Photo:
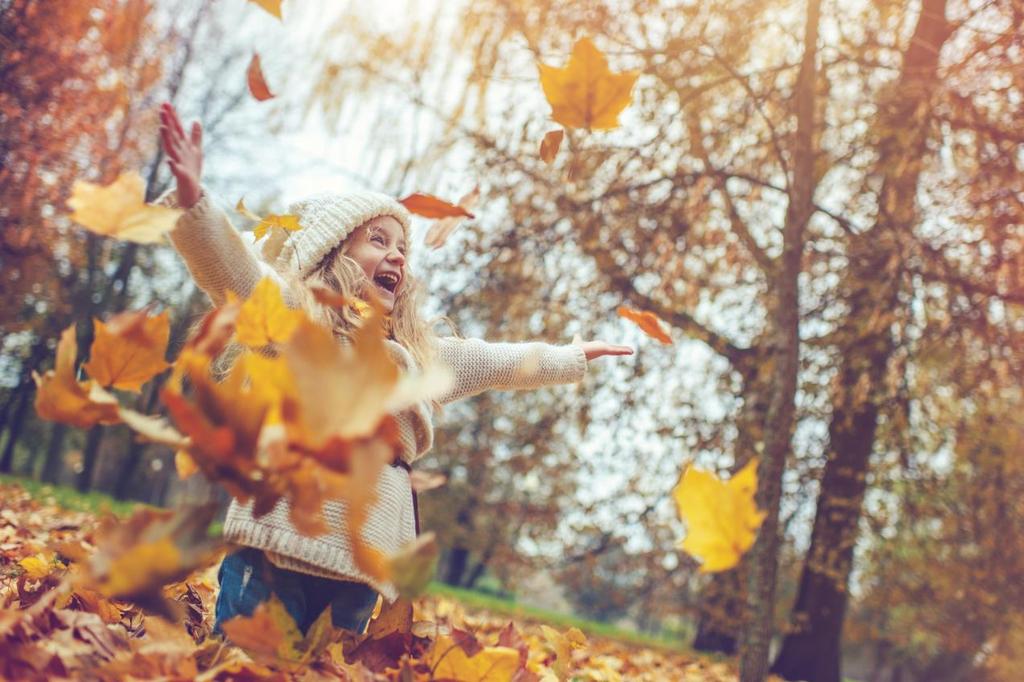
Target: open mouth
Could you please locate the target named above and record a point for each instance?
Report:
(388, 281)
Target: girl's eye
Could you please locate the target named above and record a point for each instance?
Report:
(377, 238)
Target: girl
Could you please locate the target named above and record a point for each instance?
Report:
(348, 242)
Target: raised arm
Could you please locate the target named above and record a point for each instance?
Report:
(218, 258)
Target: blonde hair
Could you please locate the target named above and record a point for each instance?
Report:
(339, 273)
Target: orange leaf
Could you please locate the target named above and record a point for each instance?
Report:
(62, 398)
(585, 93)
(429, 206)
(439, 232)
(128, 359)
(550, 144)
(254, 77)
(648, 323)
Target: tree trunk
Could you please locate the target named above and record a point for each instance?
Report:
(756, 635)
(811, 650)
(90, 457)
(458, 560)
(52, 465)
(723, 600)
(25, 391)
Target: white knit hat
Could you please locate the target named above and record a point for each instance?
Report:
(327, 219)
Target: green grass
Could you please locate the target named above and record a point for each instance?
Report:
(69, 498)
(94, 502)
(512, 609)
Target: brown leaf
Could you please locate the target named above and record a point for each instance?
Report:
(439, 232)
(550, 145)
(422, 481)
(648, 323)
(254, 77)
(429, 206)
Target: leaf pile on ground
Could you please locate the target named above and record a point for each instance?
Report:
(63, 575)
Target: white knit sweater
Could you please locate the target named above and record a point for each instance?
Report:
(221, 261)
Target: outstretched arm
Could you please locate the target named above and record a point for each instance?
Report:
(218, 258)
(479, 366)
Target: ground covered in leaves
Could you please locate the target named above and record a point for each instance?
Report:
(55, 624)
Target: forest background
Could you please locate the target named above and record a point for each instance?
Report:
(822, 201)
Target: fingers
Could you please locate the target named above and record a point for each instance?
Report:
(197, 135)
(169, 144)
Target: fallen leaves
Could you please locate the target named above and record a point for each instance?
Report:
(119, 210)
(722, 518)
(273, 223)
(585, 93)
(254, 79)
(648, 323)
(54, 626)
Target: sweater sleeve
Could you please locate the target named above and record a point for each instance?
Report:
(218, 258)
(479, 365)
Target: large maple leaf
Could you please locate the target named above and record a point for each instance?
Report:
(585, 93)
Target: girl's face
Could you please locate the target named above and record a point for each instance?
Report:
(379, 247)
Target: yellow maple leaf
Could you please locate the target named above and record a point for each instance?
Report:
(585, 93)
(119, 210)
(273, 7)
(286, 222)
(60, 397)
(491, 664)
(129, 350)
(721, 518)
(564, 645)
(264, 318)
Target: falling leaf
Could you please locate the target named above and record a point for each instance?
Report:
(586, 94)
(271, 6)
(429, 206)
(139, 555)
(550, 144)
(128, 359)
(449, 661)
(119, 210)
(153, 429)
(264, 319)
(722, 519)
(648, 323)
(439, 232)
(254, 77)
(413, 567)
(184, 464)
(422, 481)
(274, 224)
(60, 397)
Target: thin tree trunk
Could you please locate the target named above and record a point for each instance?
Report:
(90, 457)
(52, 465)
(756, 635)
(25, 391)
(811, 650)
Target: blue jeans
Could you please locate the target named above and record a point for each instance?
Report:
(247, 578)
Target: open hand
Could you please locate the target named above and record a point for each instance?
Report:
(184, 154)
(595, 349)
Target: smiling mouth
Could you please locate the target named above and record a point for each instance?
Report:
(386, 281)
